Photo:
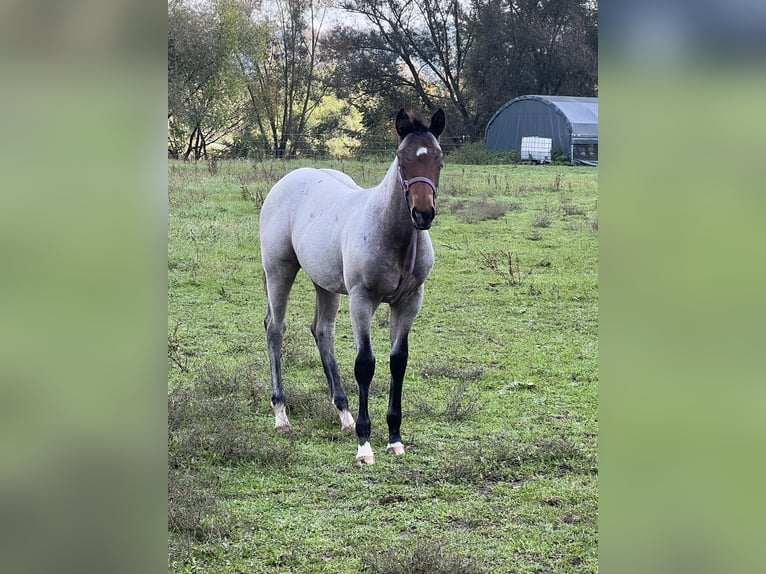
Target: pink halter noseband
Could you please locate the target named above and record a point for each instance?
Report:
(406, 183)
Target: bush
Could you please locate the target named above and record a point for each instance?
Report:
(476, 153)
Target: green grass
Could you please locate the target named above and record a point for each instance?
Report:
(499, 403)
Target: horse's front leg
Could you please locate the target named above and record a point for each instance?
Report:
(361, 310)
(403, 314)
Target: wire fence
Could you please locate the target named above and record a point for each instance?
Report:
(309, 146)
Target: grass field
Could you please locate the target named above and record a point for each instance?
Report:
(499, 403)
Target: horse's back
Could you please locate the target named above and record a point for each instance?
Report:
(303, 217)
(304, 187)
(342, 178)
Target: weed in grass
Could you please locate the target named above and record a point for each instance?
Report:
(543, 220)
(460, 403)
(556, 185)
(503, 264)
(569, 208)
(311, 407)
(210, 419)
(425, 556)
(533, 235)
(455, 188)
(192, 504)
(594, 223)
(175, 193)
(213, 165)
(504, 458)
(447, 369)
(484, 209)
(175, 354)
(256, 195)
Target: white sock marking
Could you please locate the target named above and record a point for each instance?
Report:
(280, 416)
(395, 448)
(346, 420)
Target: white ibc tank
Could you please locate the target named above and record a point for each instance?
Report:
(536, 149)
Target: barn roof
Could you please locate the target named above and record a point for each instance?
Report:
(581, 113)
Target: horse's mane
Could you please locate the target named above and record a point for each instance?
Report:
(418, 123)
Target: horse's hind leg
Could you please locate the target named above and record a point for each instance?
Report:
(279, 281)
(323, 329)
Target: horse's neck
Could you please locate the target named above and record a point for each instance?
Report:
(393, 214)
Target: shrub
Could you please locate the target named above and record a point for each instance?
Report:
(476, 153)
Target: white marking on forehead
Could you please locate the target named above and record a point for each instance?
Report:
(421, 150)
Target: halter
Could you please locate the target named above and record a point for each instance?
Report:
(407, 183)
(413, 252)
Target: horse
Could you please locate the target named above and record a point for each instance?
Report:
(370, 244)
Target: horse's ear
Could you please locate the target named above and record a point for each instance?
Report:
(403, 123)
(437, 123)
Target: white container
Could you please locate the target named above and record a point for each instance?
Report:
(536, 149)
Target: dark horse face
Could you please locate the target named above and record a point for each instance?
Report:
(420, 162)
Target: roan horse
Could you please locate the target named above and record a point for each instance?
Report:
(371, 244)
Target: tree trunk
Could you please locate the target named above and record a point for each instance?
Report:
(190, 147)
(197, 145)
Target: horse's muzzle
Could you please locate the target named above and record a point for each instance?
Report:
(422, 220)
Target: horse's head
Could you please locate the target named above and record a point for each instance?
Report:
(420, 161)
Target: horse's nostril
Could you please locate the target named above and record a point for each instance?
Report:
(422, 220)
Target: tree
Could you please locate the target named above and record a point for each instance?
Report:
(547, 47)
(411, 47)
(204, 101)
(468, 60)
(278, 58)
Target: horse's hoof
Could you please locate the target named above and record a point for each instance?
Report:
(365, 455)
(283, 428)
(396, 448)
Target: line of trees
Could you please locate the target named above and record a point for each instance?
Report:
(291, 75)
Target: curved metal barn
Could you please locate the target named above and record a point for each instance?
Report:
(570, 122)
